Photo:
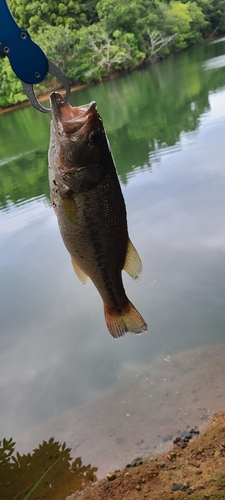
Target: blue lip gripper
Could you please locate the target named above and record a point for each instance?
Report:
(27, 59)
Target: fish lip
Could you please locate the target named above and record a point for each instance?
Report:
(67, 117)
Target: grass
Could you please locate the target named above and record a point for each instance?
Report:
(38, 482)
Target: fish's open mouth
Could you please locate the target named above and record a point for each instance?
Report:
(71, 118)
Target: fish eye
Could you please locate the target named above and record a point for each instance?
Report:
(94, 137)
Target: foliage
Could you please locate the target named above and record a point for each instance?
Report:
(90, 39)
(214, 14)
(198, 23)
(24, 178)
(158, 42)
(119, 15)
(36, 14)
(11, 90)
(91, 11)
(184, 20)
(21, 475)
(99, 54)
(58, 43)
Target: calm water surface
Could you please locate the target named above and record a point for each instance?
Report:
(166, 128)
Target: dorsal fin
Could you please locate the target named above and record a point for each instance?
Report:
(132, 265)
(80, 274)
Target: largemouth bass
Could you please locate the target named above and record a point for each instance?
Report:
(90, 208)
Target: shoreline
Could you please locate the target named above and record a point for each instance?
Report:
(116, 438)
(114, 75)
(195, 467)
(41, 98)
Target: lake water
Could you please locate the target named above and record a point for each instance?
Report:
(62, 375)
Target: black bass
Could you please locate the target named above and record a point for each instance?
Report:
(90, 208)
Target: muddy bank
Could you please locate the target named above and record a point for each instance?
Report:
(196, 471)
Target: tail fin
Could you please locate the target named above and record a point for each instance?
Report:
(129, 320)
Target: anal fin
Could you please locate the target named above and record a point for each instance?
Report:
(132, 265)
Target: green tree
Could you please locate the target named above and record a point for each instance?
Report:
(118, 15)
(185, 20)
(91, 11)
(58, 43)
(177, 20)
(214, 14)
(11, 90)
(36, 14)
(99, 54)
(198, 24)
(158, 43)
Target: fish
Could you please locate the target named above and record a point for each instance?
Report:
(90, 208)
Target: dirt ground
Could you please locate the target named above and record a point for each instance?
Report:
(194, 468)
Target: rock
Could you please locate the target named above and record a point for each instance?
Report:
(187, 437)
(177, 440)
(111, 476)
(179, 486)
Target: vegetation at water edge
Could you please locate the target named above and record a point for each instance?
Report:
(89, 40)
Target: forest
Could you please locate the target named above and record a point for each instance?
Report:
(91, 40)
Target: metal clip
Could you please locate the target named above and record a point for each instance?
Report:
(29, 91)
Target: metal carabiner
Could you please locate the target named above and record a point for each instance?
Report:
(29, 91)
(27, 59)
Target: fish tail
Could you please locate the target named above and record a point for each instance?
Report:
(128, 320)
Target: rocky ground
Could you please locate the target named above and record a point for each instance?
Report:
(194, 468)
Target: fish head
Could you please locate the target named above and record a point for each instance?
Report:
(78, 141)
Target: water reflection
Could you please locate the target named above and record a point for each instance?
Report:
(23, 177)
(63, 475)
(142, 113)
(215, 63)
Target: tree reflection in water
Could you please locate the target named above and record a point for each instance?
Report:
(18, 473)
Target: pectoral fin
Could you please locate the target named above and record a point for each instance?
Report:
(69, 208)
(80, 274)
(132, 265)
